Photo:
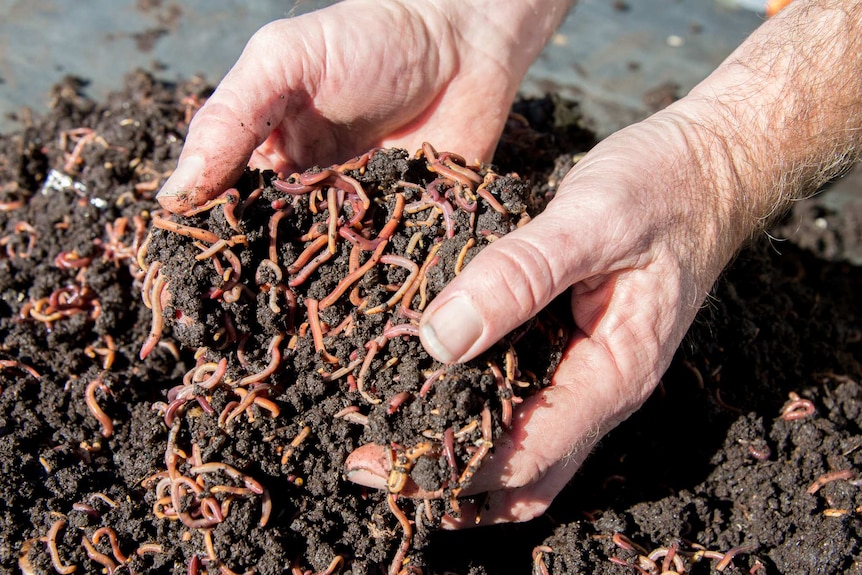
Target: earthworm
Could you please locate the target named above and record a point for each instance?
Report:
(435, 165)
(297, 441)
(336, 562)
(90, 399)
(254, 397)
(208, 545)
(351, 414)
(24, 562)
(246, 399)
(71, 260)
(234, 473)
(101, 496)
(390, 226)
(13, 364)
(459, 263)
(254, 195)
(468, 206)
(183, 230)
(273, 232)
(511, 363)
(149, 548)
(323, 256)
(231, 490)
(207, 206)
(353, 277)
(94, 555)
(397, 401)
(194, 565)
(312, 307)
(217, 371)
(539, 567)
(345, 326)
(342, 371)
(423, 286)
(504, 390)
(475, 461)
(828, 478)
(208, 252)
(359, 162)
(396, 297)
(177, 486)
(229, 210)
(55, 553)
(429, 381)
(430, 260)
(357, 240)
(449, 453)
(275, 359)
(670, 555)
(342, 179)
(459, 164)
(761, 454)
(158, 322)
(486, 194)
(141, 254)
(414, 241)
(270, 265)
(265, 509)
(332, 208)
(372, 347)
(112, 537)
(728, 557)
(466, 430)
(86, 508)
(797, 408)
(407, 538)
(294, 188)
(402, 329)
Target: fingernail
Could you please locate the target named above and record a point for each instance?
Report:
(452, 330)
(366, 478)
(184, 178)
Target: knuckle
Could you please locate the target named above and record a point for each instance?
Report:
(523, 275)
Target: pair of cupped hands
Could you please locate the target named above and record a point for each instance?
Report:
(631, 233)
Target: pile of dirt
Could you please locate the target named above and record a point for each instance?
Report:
(223, 450)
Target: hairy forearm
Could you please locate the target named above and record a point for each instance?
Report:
(786, 110)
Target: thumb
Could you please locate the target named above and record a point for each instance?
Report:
(224, 133)
(506, 284)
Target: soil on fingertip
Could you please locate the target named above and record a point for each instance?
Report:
(224, 448)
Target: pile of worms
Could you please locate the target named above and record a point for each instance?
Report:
(318, 281)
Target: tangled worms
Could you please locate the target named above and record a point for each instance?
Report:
(335, 267)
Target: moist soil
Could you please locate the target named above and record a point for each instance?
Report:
(745, 459)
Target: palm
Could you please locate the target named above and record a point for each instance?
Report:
(308, 91)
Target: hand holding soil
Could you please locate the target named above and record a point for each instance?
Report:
(327, 86)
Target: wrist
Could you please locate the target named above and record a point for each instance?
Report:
(784, 111)
(511, 34)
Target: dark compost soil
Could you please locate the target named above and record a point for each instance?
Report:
(746, 457)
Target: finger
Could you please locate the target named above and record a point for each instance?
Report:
(516, 505)
(369, 466)
(249, 102)
(509, 281)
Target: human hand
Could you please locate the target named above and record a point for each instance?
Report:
(637, 239)
(639, 231)
(326, 86)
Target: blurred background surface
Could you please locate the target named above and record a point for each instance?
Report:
(620, 58)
